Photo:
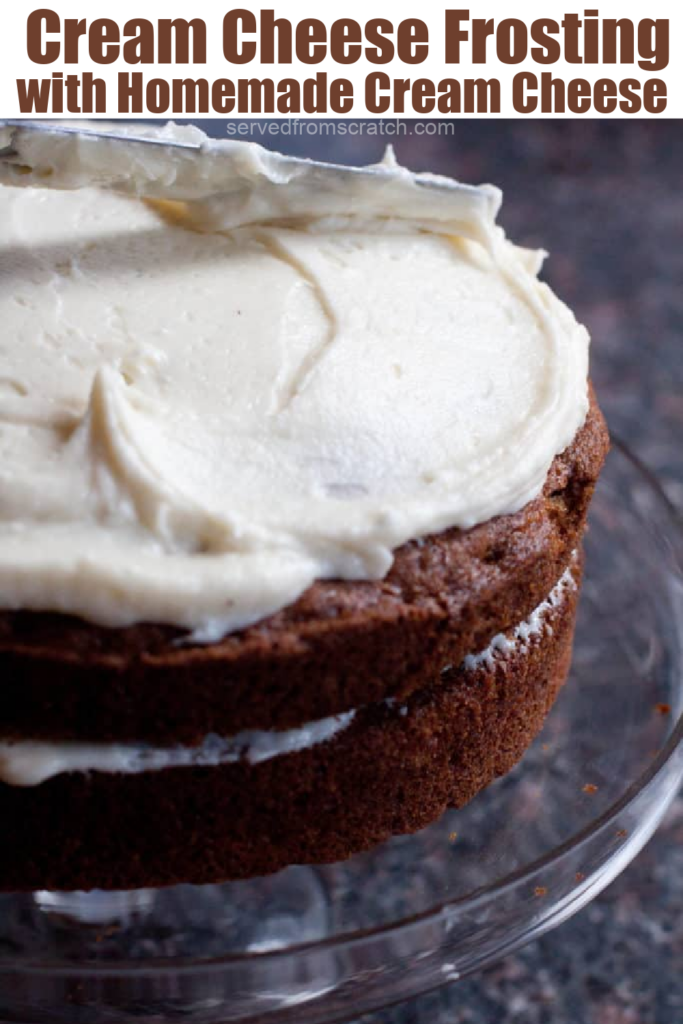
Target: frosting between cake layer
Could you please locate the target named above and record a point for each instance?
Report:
(206, 406)
(504, 643)
(28, 763)
(31, 762)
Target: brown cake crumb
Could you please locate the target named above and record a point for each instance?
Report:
(342, 645)
(386, 774)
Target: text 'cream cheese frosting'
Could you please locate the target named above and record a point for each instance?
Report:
(206, 405)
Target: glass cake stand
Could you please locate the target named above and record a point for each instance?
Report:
(324, 944)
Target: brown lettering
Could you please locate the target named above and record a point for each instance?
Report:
(256, 96)
(180, 29)
(345, 40)
(190, 96)
(412, 41)
(579, 96)
(235, 24)
(552, 94)
(511, 41)
(605, 96)
(571, 26)
(654, 49)
(654, 96)
(57, 92)
(481, 30)
(289, 98)
(455, 34)
(157, 95)
(423, 97)
(103, 41)
(401, 86)
(140, 49)
(311, 37)
(315, 94)
(283, 27)
(375, 82)
(41, 52)
(383, 50)
(626, 47)
(548, 50)
(341, 96)
(629, 89)
(223, 96)
(73, 30)
(449, 98)
(522, 103)
(33, 95)
(482, 96)
(591, 40)
(130, 92)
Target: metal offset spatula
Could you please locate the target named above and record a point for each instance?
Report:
(246, 179)
(9, 151)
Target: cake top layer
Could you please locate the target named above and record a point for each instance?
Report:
(206, 405)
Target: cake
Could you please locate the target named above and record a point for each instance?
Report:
(294, 472)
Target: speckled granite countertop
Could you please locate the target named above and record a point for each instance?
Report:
(607, 199)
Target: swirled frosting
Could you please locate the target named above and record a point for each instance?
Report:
(208, 404)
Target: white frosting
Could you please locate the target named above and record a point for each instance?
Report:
(232, 183)
(28, 763)
(196, 425)
(504, 643)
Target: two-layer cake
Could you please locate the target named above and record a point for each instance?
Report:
(294, 472)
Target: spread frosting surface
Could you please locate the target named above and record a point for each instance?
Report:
(278, 377)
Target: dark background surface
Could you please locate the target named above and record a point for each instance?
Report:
(606, 198)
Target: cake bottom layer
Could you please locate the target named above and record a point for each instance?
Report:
(393, 770)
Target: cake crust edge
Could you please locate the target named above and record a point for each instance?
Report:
(393, 771)
(342, 645)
